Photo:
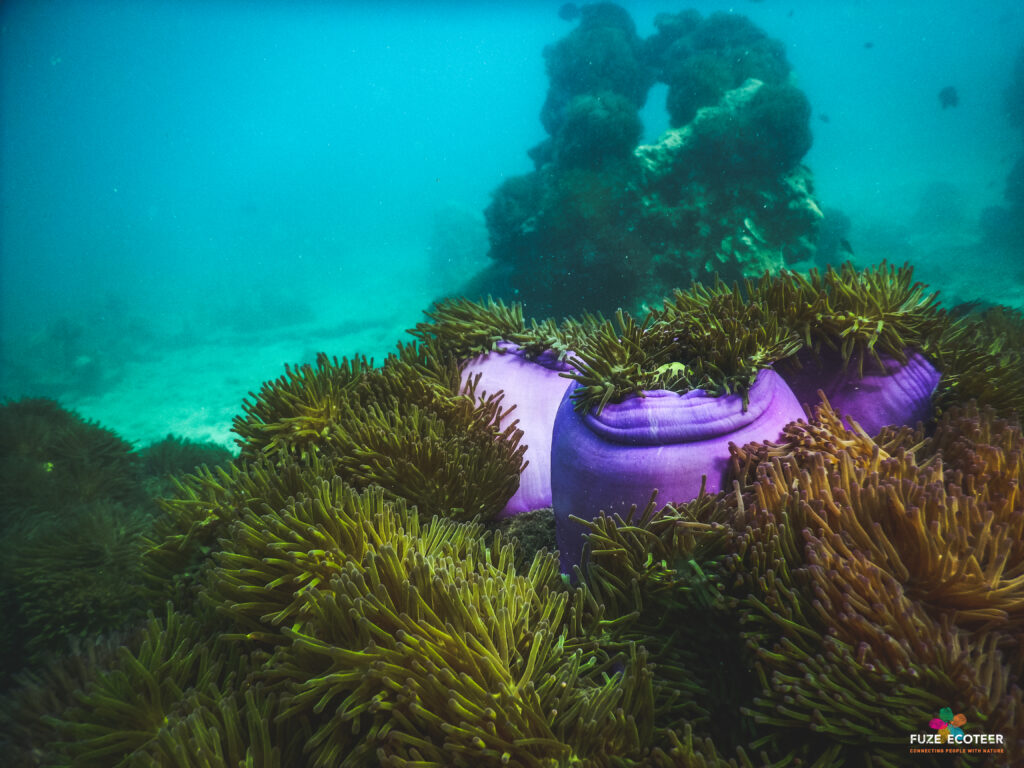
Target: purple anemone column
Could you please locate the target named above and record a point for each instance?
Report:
(897, 394)
(535, 387)
(664, 440)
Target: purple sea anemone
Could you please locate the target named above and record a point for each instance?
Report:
(535, 388)
(896, 393)
(664, 440)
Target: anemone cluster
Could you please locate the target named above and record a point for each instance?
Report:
(602, 222)
(344, 593)
(74, 500)
(882, 583)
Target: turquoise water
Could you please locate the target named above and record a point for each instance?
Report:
(176, 172)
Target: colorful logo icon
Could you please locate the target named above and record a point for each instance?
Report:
(948, 724)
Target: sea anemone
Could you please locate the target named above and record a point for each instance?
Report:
(533, 388)
(404, 641)
(879, 395)
(869, 339)
(523, 363)
(982, 359)
(878, 576)
(812, 596)
(405, 426)
(656, 405)
(676, 444)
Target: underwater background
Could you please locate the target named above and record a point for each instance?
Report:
(216, 188)
(265, 265)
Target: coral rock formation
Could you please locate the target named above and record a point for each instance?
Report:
(601, 223)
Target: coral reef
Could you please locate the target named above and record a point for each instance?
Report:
(754, 131)
(341, 592)
(700, 59)
(601, 61)
(602, 223)
(598, 128)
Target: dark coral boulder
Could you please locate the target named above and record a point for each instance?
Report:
(766, 134)
(603, 223)
(701, 59)
(603, 53)
(597, 127)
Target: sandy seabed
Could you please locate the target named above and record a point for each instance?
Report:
(195, 391)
